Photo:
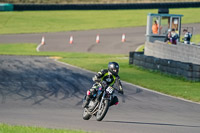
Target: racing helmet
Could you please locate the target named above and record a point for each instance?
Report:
(113, 67)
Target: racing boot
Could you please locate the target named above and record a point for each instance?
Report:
(90, 94)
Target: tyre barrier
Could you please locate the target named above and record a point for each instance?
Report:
(188, 71)
(23, 7)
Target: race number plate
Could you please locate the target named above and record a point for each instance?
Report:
(109, 89)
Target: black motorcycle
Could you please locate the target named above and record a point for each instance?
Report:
(99, 105)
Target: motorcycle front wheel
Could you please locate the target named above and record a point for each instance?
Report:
(86, 115)
(103, 110)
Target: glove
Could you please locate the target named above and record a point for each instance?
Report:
(121, 92)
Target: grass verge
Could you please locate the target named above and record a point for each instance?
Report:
(54, 21)
(153, 80)
(196, 39)
(140, 48)
(4, 128)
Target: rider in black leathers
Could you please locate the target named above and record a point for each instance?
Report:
(107, 77)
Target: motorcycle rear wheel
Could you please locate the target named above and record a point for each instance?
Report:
(102, 112)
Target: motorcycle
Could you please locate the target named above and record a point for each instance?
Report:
(99, 105)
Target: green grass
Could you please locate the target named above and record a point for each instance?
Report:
(140, 48)
(153, 80)
(54, 21)
(196, 39)
(4, 128)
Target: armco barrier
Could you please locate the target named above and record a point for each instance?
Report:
(187, 70)
(22, 7)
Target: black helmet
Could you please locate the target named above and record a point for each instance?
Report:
(113, 67)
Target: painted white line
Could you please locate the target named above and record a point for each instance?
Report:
(146, 89)
(38, 47)
(71, 65)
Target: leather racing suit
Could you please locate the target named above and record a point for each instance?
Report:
(106, 79)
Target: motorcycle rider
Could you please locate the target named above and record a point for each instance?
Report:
(108, 77)
(187, 36)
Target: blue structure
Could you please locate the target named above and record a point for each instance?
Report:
(6, 7)
(164, 22)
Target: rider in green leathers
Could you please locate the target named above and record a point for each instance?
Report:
(107, 77)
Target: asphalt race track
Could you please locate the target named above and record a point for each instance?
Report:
(38, 91)
(85, 41)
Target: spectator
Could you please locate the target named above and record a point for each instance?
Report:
(174, 37)
(168, 36)
(155, 27)
(187, 36)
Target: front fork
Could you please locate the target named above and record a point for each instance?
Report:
(103, 98)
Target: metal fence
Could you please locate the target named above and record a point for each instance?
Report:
(23, 7)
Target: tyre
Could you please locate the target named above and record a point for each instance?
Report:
(103, 110)
(86, 115)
